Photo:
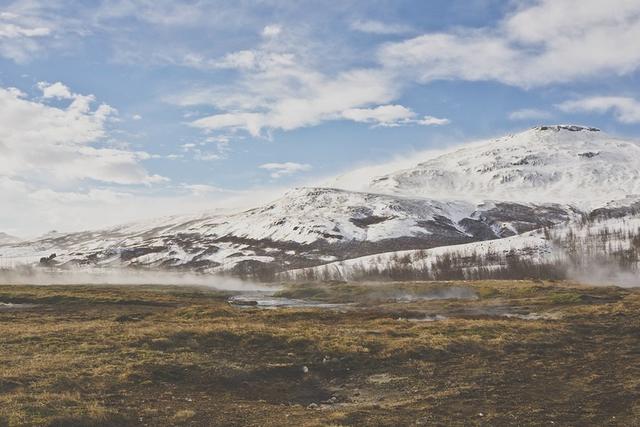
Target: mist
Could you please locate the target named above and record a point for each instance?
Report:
(604, 274)
(100, 276)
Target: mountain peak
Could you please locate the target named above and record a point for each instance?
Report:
(556, 163)
(7, 238)
(570, 128)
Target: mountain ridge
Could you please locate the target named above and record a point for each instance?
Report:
(313, 226)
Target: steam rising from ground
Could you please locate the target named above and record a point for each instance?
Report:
(601, 274)
(449, 292)
(40, 276)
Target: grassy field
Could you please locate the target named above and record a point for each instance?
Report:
(500, 353)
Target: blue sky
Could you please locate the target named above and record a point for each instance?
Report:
(119, 110)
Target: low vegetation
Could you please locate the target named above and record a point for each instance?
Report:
(591, 247)
(487, 353)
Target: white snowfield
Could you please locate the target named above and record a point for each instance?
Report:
(560, 163)
(569, 165)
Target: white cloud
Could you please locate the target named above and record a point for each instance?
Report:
(252, 122)
(283, 85)
(529, 114)
(240, 60)
(55, 90)
(288, 168)
(271, 30)
(551, 41)
(433, 121)
(35, 210)
(383, 115)
(625, 109)
(136, 117)
(378, 27)
(20, 35)
(205, 155)
(9, 30)
(199, 190)
(288, 97)
(391, 116)
(57, 145)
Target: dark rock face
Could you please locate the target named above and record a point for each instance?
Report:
(477, 229)
(589, 154)
(570, 128)
(522, 218)
(131, 253)
(632, 208)
(366, 221)
(48, 261)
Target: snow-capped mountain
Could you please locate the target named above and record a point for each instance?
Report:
(306, 227)
(606, 245)
(485, 195)
(567, 163)
(7, 238)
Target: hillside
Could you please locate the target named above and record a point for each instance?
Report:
(306, 227)
(7, 238)
(548, 177)
(560, 163)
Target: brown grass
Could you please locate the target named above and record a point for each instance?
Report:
(98, 356)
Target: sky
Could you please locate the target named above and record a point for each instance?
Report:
(113, 111)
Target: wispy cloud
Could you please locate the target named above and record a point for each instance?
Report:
(288, 168)
(550, 41)
(286, 97)
(20, 35)
(271, 30)
(433, 121)
(625, 109)
(379, 27)
(391, 116)
(529, 114)
(51, 143)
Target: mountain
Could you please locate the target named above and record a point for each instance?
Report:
(306, 227)
(7, 238)
(601, 249)
(560, 163)
(482, 196)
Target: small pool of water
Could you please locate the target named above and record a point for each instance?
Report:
(8, 306)
(434, 318)
(270, 302)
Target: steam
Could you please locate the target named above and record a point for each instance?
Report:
(103, 276)
(449, 292)
(604, 274)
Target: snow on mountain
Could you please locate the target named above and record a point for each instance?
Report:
(7, 238)
(489, 192)
(560, 163)
(360, 178)
(602, 243)
(308, 226)
(531, 246)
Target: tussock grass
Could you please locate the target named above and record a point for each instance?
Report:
(98, 356)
